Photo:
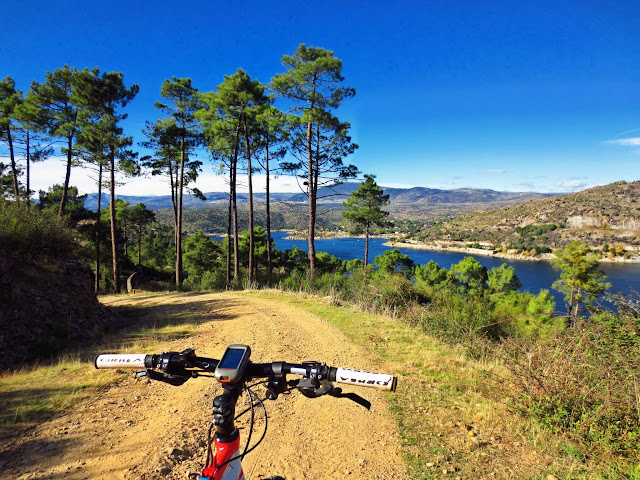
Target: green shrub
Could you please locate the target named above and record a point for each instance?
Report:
(458, 319)
(583, 382)
(296, 281)
(328, 283)
(33, 233)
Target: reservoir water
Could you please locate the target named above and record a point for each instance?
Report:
(534, 276)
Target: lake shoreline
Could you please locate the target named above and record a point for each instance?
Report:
(543, 257)
(441, 246)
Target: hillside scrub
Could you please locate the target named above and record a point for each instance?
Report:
(579, 382)
(34, 233)
(583, 382)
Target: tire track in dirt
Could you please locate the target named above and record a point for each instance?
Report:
(144, 430)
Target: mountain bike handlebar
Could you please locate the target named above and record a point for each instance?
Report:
(180, 366)
(234, 373)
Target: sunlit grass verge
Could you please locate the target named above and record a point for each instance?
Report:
(33, 393)
(450, 414)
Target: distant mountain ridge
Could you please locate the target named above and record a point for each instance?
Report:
(404, 201)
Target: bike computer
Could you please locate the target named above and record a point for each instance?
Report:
(231, 367)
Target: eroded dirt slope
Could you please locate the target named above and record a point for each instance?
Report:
(148, 430)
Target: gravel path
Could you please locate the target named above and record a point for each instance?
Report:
(143, 430)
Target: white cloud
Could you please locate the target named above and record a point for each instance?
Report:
(495, 171)
(572, 185)
(625, 142)
(52, 171)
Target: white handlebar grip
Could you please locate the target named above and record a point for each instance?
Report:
(123, 360)
(380, 381)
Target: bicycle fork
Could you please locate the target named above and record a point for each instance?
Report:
(224, 463)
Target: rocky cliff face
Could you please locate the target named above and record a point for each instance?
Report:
(580, 221)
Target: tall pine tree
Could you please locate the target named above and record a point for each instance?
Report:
(313, 83)
(102, 99)
(181, 103)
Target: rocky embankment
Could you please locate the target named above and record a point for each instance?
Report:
(45, 307)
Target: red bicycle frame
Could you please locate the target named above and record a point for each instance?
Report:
(226, 463)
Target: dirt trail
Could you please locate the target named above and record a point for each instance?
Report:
(148, 430)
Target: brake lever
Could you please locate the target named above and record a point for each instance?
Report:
(175, 380)
(310, 389)
(354, 397)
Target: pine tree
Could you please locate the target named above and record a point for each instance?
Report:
(10, 98)
(233, 109)
(181, 104)
(364, 209)
(101, 99)
(319, 140)
(56, 97)
(580, 280)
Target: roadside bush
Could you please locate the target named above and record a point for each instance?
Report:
(583, 382)
(457, 319)
(328, 283)
(213, 280)
(392, 294)
(33, 233)
(296, 281)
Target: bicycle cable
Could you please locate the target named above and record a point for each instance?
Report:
(247, 450)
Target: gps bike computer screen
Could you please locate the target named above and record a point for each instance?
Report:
(232, 359)
(233, 363)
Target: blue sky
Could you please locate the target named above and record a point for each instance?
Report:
(508, 95)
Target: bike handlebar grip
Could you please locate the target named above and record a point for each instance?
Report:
(380, 381)
(123, 360)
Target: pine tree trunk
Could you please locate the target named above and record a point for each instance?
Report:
(229, 221)
(112, 213)
(179, 215)
(28, 159)
(14, 168)
(98, 224)
(125, 235)
(366, 246)
(251, 233)
(65, 187)
(312, 201)
(571, 300)
(140, 246)
(174, 202)
(269, 262)
(236, 252)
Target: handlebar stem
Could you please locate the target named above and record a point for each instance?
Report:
(224, 411)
